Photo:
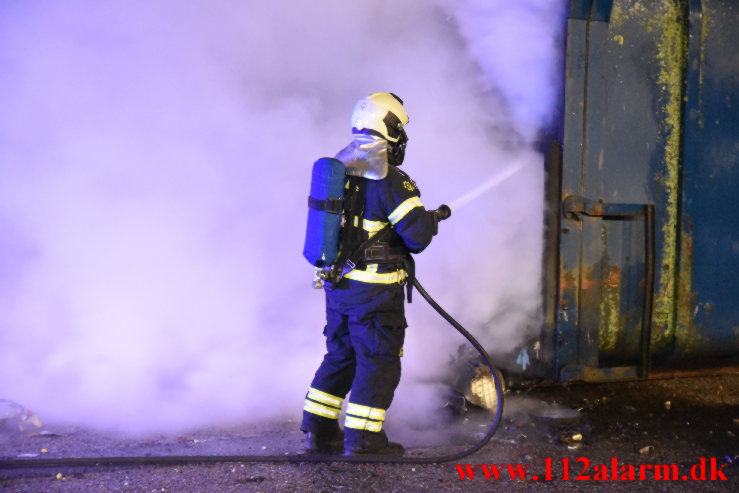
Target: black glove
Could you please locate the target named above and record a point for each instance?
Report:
(443, 212)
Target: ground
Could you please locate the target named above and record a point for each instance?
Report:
(691, 422)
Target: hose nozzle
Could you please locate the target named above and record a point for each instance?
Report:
(443, 212)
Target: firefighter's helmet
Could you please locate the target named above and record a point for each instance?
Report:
(383, 114)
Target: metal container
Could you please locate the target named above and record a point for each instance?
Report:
(642, 263)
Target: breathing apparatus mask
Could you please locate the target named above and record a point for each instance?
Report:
(396, 150)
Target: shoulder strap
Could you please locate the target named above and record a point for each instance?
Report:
(351, 234)
(354, 200)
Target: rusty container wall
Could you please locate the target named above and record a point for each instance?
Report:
(707, 313)
(649, 212)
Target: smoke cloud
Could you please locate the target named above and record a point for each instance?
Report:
(154, 163)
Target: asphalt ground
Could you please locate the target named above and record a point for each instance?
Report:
(579, 435)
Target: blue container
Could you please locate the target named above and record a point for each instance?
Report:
(642, 271)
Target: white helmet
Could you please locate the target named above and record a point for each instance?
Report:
(382, 113)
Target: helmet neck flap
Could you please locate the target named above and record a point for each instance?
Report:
(366, 156)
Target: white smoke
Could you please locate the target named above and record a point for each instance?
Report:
(518, 46)
(154, 163)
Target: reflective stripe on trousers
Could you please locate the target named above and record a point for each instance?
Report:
(322, 404)
(366, 418)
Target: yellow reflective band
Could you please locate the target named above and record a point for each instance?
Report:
(372, 276)
(321, 410)
(362, 424)
(320, 396)
(372, 226)
(365, 411)
(403, 209)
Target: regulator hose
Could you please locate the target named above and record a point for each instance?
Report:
(197, 459)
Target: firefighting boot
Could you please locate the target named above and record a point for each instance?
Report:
(324, 441)
(360, 442)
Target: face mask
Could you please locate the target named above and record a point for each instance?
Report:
(396, 151)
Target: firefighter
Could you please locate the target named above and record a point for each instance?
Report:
(365, 320)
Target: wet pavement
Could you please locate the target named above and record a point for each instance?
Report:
(581, 435)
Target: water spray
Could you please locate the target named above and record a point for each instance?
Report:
(492, 182)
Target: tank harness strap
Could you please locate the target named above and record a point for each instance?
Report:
(334, 206)
(345, 264)
(384, 252)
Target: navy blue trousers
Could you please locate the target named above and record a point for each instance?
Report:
(365, 329)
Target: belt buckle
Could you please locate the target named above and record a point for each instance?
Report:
(402, 277)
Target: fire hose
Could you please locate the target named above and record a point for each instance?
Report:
(299, 458)
(197, 459)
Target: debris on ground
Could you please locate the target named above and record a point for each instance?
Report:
(646, 450)
(648, 435)
(472, 380)
(14, 416)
